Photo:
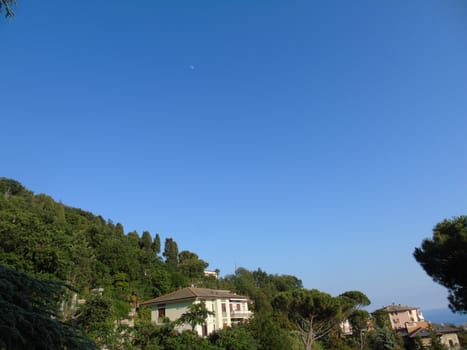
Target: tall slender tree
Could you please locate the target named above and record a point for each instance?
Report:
(156, 244)
(171, 254)
(146, 240)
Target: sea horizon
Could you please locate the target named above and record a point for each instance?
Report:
(444, 315)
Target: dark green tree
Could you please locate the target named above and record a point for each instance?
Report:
(268, 334)
(146, 240)
(313, 313)
(10, 187)
(187, 341)
(191, 265)
(97, 316)
(171, 254)
(147, 335)
(30, 318)
(196, 315)
(94, 315)
(380, 319)
(385, 339)
(444, 258)
(359, 321)
(237, 337)
(7, 4)
(156, 244)
(357, 298)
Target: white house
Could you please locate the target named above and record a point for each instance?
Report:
(228, 308)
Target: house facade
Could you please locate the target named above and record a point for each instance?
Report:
(409, 322)
(401, 315)
(228, 308)
(425, 330)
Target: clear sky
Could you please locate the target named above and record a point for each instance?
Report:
(322, 139)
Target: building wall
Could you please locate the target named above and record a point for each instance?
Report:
(450, 340)
(400, 318)
(173, 311)
(223, 310)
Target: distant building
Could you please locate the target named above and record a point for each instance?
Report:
(425, 331)
(409, 322)
(346, 327)
(229, 308)
(400, 315)
(214, 274)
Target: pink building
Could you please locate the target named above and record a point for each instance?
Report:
(401, 315)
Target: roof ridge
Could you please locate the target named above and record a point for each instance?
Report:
(193, 293)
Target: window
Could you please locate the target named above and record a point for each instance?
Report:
(162, 312)
(239, 307)
(223, 307)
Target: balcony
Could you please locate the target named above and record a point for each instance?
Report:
(240, 314)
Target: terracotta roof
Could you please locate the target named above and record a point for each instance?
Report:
(443, 329)
(396, 308)
(194, 293)
(425, 330)
(420, 332)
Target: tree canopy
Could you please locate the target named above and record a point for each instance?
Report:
(112, 270)
(7, 5)
(30, 318)
(444, 258)
(316, 314)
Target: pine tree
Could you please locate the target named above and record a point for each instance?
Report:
(30, 318)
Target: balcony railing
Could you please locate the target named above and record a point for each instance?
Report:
(240, 313)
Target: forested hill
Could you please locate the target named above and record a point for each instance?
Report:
(51, 240)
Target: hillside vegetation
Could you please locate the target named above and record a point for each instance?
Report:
(102, 272)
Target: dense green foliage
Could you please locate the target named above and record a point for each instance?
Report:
(237, 337)
(30, 318)
(112, 271)
(385, 339)
(315, 314)
(47, 239)
(444, 258)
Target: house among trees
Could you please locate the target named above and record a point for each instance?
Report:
(409, 323)
(400, 315)
(426, 334)
(224, 308)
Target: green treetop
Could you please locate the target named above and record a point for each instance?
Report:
(444, 258)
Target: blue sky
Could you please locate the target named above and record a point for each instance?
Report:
(322, 139)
